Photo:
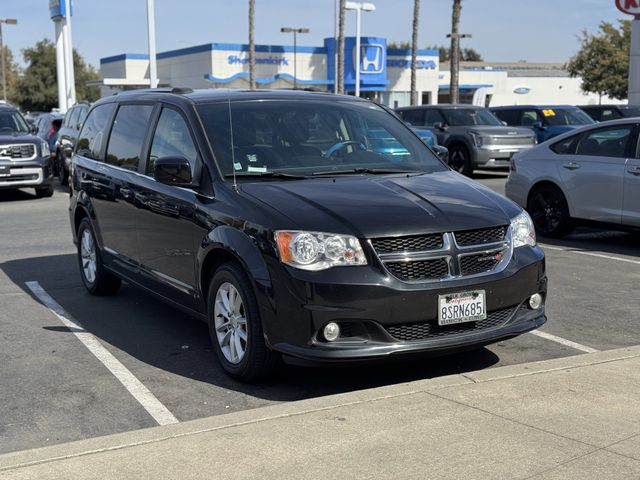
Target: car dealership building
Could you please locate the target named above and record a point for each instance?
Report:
(385, 73)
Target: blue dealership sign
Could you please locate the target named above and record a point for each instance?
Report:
(373, 62)
(60, 8)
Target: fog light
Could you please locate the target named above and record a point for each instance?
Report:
(331, 331)
(535, 301)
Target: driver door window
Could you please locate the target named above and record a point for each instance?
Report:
(172, 138)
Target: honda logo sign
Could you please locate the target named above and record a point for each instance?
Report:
(371, 58)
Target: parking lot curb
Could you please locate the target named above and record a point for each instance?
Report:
(16, 460)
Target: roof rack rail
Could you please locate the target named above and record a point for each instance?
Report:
(176, 90)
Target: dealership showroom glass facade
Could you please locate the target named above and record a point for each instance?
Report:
(385, 73)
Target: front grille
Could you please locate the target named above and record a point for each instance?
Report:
(430, 329)
(436, 256)
(16, 152)
(485, 235)
(510, 140)
(420, 270)
(479, 263)
(412, 243)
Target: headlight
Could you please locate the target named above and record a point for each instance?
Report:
(318, 251)
(45, 149)
(478, 139)
(522, 231)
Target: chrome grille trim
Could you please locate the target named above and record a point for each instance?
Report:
(454, 254)
(17, 151)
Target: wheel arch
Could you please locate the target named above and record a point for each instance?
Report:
(551, 183)
(227, 244)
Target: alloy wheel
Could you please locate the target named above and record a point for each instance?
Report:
(230, 323)
(547, 212)
(88, 254)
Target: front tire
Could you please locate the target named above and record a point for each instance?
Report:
(460, 160)
(235, 326)
(549, 211)
(95, 278)
(62, 172)
(43, 192)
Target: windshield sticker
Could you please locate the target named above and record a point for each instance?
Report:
(256, 169)
(548, 112)
(237, 166)
(252, 157)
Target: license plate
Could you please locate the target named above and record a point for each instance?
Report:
(5, 170)
(461, 307)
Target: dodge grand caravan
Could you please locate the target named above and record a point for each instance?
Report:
(275, 217)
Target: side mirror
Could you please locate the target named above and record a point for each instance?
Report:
(441, 152)
(174, 171)
(538, 125)
(441, 126)
(34, 129)
(408, 124)
(504, 123)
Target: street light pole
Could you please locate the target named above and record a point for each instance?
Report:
(295, 32)
(151, 34)
(358, 7)
(8, 21)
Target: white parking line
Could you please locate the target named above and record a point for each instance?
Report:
(591, 254)
(149, 402)
(563, 341)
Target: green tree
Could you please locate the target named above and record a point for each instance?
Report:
(603, 60)
(466, 54)
(12, 71)
(37, 89)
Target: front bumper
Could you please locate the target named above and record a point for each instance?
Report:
(497, 156)
(32, 173)
(381, 316)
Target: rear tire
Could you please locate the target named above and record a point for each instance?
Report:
(549, 211)
(42, 192)
(235, 326)
(95, 278)
(460, 159)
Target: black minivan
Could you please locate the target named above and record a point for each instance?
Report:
(280, 219)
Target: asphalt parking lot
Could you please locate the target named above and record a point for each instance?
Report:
(53, 389)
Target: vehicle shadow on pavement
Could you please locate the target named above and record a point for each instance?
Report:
(29, 194)
(608, 241)
(167, 339)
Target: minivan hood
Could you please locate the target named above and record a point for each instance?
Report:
(370, 206)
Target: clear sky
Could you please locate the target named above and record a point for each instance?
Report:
(503, 30)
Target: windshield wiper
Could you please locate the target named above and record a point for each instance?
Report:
(266, 175)
(363, 170)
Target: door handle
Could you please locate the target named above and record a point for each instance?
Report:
(634, 170)
(571, 165)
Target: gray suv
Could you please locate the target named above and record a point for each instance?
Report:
(474, 136)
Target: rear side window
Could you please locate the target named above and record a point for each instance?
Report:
(566, 146)
(72, 118)
(90, 138)
(609, 114)
(606, 142)
(510, 117)
(127, 136)
(414, 117)
(82, 114)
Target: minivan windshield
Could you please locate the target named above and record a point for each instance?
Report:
(305, 138)
(12, 123)
(463, 117)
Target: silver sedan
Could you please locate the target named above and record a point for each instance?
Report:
(590, 175)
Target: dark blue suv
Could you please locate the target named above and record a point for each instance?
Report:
(546, 121)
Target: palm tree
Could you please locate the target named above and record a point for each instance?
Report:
(414, 51)
(455, 52)
(252, 47)
(340, 65)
